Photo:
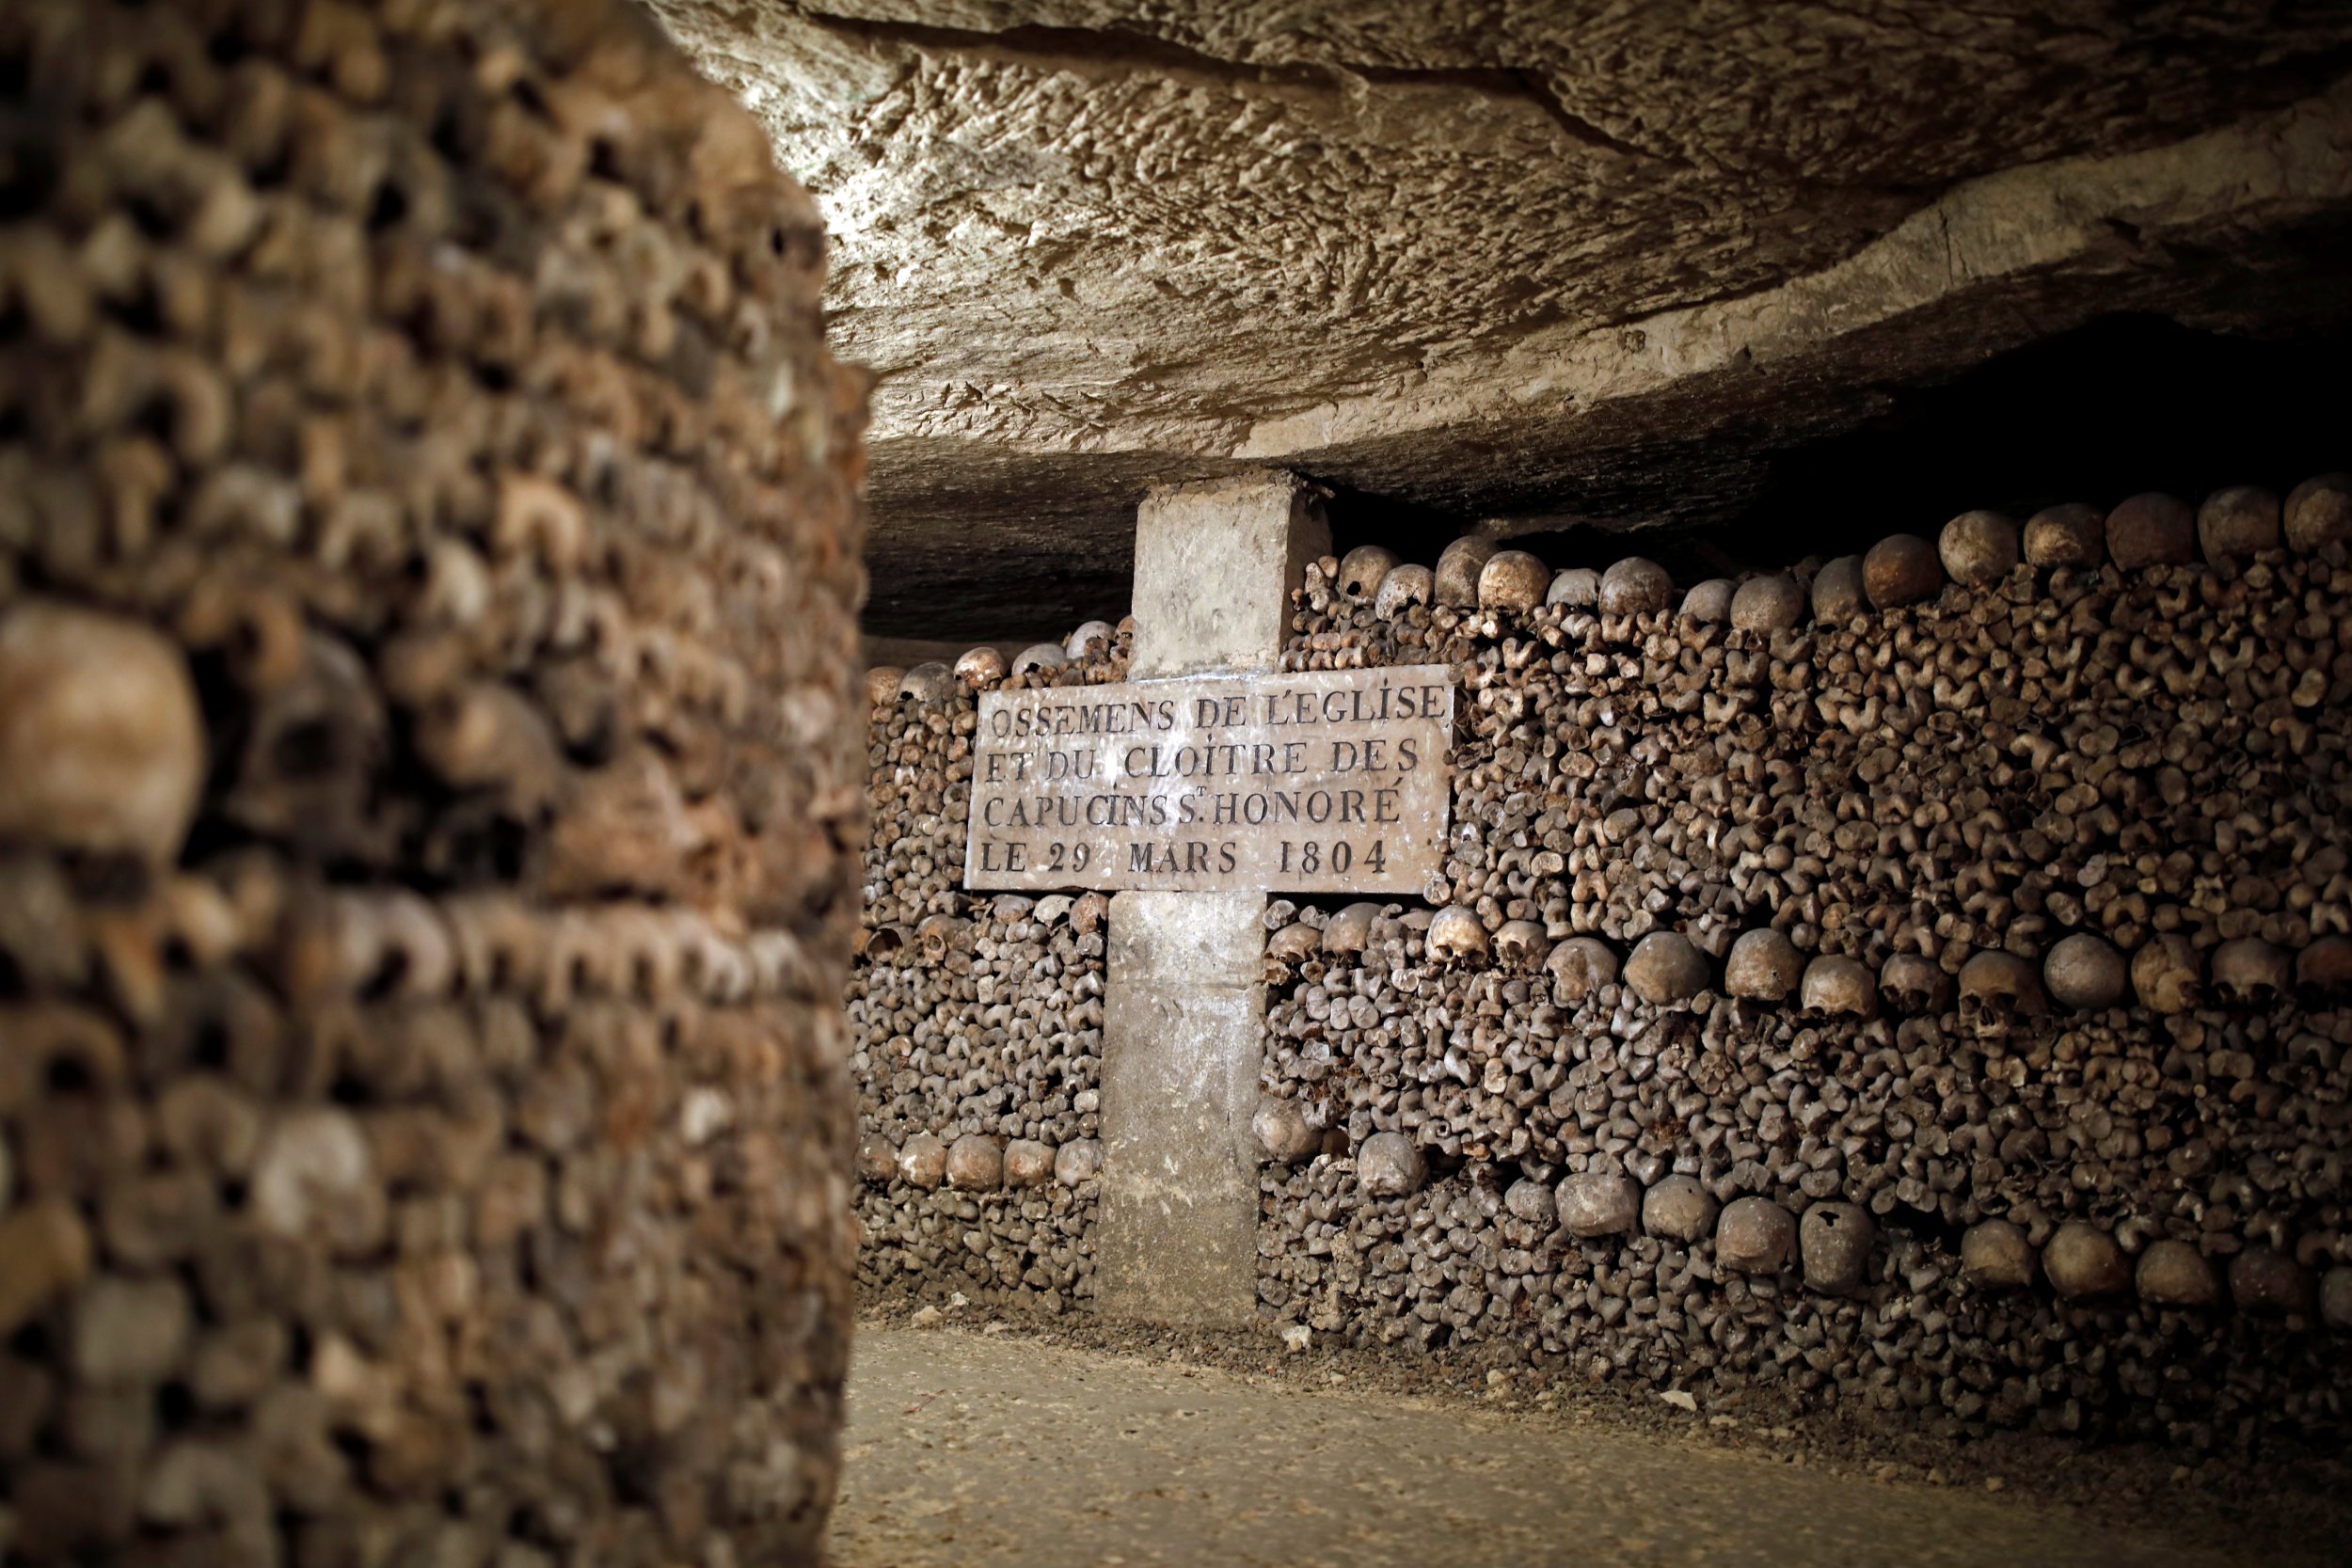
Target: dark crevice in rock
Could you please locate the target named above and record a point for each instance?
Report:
(1067, 48)
(1579, 129)
(1124, 50)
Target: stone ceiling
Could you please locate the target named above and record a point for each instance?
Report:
(1595, 260)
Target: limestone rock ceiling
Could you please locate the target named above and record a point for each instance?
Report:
(1592, 259)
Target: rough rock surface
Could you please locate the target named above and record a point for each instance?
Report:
(1506, 261)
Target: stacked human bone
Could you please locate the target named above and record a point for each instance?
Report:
(977, 1019)
(1920, 981)
(428, 548)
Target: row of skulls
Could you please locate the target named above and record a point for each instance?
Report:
(2081, 972)
(984, 666)
(1831, 1242)
(1972, 549)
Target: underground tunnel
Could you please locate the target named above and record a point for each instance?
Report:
(1057, 781)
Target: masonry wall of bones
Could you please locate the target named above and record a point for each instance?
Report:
(1920, 981)
(428, 550)
(977, 1022)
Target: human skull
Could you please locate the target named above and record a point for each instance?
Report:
(1293, 942)
(2250, 973)
(1078, 1160)
(308, 770)
(1350, 930)
(931, 682)
(1837, 591)
(2319, 511)
(1996, 988)
(923, 1160)
(975, 1164)
(1901, 569)
(2174, 1273)
(1532, 1201)
(1028, 1163)
(1755, 1235)
(1363, 569)
(2165, 974)
(2084, 973)
(2324, 968)
(1578, 588)
(2083, 1261)
(2262, 1280)
(1090, 637)
(1635, 586)
(1709, 603)
(1598, 1203)
(1833, 1241)
(1774, 602)
(1390, 1165)
(1457, 933)
(980, 668)
(1978, 547)
(1402, 587)
(1513, 580)
(1914, 985)
(1580, 966)
(1995, 1252)
(1666, 968)
(1522, 944)
(2239, 521)
(1764, 966)
(1679, 1207)
(2068, 535)
(939, 935)
(1838, 986)
(1283, 1130)
(2150, 530)
(1039, 655)
(1458, 569)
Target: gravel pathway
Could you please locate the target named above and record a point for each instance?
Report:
(977, 1449)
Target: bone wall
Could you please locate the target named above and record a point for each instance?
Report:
(1915, 984)
(426, 785)
(977, 1019)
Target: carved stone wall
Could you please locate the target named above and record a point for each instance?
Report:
(428, 546)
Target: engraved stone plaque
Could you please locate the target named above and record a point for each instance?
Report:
(1328, 782)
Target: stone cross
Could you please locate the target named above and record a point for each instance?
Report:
(1184, 1010)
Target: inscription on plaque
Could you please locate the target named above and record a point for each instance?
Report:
(1331, 782)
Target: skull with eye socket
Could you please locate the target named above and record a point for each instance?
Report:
(2165, 975)
(2250, 973)
(1996, 990)
(1579, 967)
(1837, 986)
(308, 771)
(1402, 588)
(1363, 570)
(940, 935)
(1917, 986)
(1457, 934)
(1522, 944)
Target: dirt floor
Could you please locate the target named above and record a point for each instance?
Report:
(976, 1442)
